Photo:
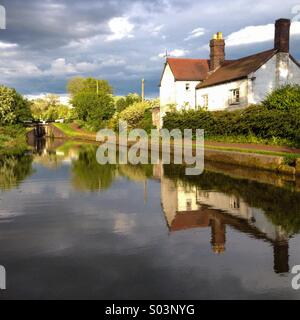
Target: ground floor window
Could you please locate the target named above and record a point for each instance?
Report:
(234, 96)
(205, 100)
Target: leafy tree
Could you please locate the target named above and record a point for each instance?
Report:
(94, 108)
(13, 107)
(124, 102)
(137, 116)
(88, 85)
(50, 108)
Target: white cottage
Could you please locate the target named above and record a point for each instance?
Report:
(220, 84)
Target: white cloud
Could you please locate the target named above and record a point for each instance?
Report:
(256, 34)
(85, 67)
(156, 30)
(5, 45)
(16, 68)
(61, 67)
(120, 28)
(112, 62)
(196, 33)
(178, 53)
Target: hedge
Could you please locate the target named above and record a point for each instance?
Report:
(256, 120)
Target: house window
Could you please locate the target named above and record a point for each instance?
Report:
(189, 204)
(205, 100)
(187, 87)
(235, 203)
(235, 96)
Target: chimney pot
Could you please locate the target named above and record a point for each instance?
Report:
(282, 35)
(217, 51)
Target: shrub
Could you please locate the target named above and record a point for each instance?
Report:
(137, 116)
(286, 98)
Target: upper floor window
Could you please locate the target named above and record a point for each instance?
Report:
(235, 96)
(187, 87)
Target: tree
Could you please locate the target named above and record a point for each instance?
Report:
(88, 85)
(94, 108)
(49, 108)
(125, 102)
(13, 107)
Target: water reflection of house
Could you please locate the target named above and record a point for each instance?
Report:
(187, 207)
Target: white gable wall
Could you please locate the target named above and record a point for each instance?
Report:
(184, 97)
(279, 70)
(219, 96)
(167, 88)
(174, 92)
(167, 92)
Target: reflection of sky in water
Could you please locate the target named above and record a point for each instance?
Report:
(60, 242)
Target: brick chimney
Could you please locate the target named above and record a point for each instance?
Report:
(282, 35)
(217, 51)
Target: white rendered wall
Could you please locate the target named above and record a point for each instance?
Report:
(278, 71)
(218, 96)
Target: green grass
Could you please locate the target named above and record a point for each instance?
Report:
(67, 129)
(251, 139)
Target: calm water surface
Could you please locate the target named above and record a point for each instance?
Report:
(70, 228)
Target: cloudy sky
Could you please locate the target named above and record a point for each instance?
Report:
(47, 42)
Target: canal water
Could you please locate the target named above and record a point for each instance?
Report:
(70, 228)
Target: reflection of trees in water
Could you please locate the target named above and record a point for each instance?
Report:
(281, 206)
(136, 173)
(49, 160)
(89, 175)
(13, 170)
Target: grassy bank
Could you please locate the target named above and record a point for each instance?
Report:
(246, 155)
(71, 130)
(12, 140)
(251, 139)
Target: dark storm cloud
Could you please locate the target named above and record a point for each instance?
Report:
(47, 42)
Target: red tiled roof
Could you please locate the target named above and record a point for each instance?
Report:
(189, 69)
(237, 69)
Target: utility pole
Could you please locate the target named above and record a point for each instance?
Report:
(143, 90)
